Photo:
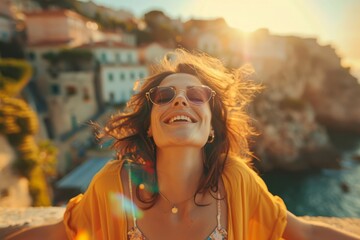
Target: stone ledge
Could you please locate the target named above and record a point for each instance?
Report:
(12, 219)
(31, 216)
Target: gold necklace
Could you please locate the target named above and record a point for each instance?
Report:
(174, 208)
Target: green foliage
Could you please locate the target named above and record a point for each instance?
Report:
(72, 55)
(11, 72)
(160, 27)
(18, 123)
(14, 75)
(68, 59)
(12, 49)
(47, 157)
(143, 37)
(51, 57)
(38, 187)
(16, 119)
(68, 56)
(68, 4)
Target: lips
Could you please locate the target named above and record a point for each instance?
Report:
(180, 118)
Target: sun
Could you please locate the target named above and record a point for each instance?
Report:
(279, 16)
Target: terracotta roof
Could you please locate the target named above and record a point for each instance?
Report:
(55, 12)
(106, 44)
(162, 44)
(47, 43)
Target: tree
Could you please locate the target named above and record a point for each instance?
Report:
(71, 59)
(18, 123)
(160, 27)
(68, 4)
(12, 49)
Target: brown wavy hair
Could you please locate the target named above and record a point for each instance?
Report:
(231, 124)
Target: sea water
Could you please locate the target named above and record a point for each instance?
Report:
(326, 192)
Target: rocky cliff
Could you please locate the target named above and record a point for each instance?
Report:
(306, 91)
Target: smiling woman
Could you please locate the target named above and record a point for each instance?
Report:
(183, 166)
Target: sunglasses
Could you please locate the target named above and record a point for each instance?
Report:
(194, 94)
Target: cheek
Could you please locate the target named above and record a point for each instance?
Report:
(208, 116)
(154, 121)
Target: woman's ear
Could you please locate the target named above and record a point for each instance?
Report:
(211, 137)
(149, 132)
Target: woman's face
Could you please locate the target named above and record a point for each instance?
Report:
(180, 122)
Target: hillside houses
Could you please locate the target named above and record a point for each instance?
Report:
(7, 23)
(119, 69)
(7, 26)
(79, 71)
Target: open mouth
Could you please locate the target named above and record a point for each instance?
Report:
(180, 118)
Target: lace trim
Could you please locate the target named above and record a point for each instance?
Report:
(135, 234)
(218, 234)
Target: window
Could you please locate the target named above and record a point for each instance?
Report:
(132, 76)
(74, 122)
(86, 95)
(5, 36)
(103, 58)
(122, 76)
(71, 90)
(111, 97)
(31, 56)
(110, 77)
(117, 57)
(55, 89)
(130, 58)
(131, 92)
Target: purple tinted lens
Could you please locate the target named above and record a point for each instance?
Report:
(198, 94)
(162, 95)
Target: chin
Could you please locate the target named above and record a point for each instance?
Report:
(186, 143)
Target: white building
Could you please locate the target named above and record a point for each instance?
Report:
(120, 68)
(210, 43)
(34, 54)
(109, 52)
(117, 81)
(153, 52)
(72, 100)
(7, 28)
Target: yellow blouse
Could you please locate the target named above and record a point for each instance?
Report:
(253, 213)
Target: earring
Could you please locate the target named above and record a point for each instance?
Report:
(211, 137)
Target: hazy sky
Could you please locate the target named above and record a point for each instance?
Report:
(332, 21)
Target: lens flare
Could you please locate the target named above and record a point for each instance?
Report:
(120, 205)
(82, 235)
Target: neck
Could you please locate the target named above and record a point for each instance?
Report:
(179, 172)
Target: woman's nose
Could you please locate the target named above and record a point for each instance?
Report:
(180, 99)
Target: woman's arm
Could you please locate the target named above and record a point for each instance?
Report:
(52, 232)
(298, 229)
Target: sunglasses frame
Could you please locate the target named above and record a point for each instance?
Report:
(147, 94)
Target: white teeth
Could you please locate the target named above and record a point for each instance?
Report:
(180, 117)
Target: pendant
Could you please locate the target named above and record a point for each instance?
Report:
(174, 209)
